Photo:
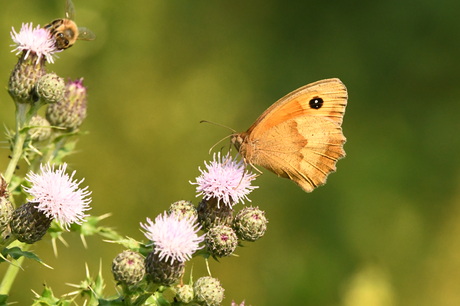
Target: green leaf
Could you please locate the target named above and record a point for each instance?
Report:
(116, 302)
(47, 298)
(16, 252)
(3, 299)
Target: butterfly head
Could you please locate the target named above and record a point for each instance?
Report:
(237, 140)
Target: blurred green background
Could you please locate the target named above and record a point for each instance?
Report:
(384, 230)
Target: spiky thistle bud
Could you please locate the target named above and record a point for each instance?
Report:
(184, 293)
(28, 224)
(163, 272)
(183, 210)
(41, 128)
(23, 78)
(70, 112)
(50, 88)
(250, 223)
(128, 268)
(221, 240)
(208, 290)
(210, 213)
(6, 208)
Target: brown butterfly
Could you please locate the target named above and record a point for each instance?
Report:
(300, 136)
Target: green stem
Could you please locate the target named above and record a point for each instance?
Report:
(24, 112)
(12, 272)
(20, 137)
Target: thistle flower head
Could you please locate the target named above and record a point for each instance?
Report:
(221, 240)
(162, 272)
(173, 238)
(36, 41)
(225, 179)
(250, 223)
(70, 112)
(41, 130)
(128, 268)
(58, 195)
(50, 88)
(208, 290)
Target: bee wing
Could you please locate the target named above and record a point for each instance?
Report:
(69, 10)
(85, 34)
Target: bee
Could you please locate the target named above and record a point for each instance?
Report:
(65, 30)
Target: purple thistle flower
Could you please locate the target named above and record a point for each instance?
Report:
(173, 238)
(57, 194)
(38, 41)
(226, 180)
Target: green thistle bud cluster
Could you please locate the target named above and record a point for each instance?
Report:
(128, 268)
(163, 272)
(250, 223)
(28, 224)
(50, 88)
(211, 213)
(208, 291)
(184, 293)
(223, 229)
(70, 112)
(41, 128)
(183, 210)
(24, 76)
(221, 240)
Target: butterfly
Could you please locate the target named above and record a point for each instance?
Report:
(300, 136)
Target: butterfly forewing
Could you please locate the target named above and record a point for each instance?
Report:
(297, 103)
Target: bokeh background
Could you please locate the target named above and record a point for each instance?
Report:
(385, 230)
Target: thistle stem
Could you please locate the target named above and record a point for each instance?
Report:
(20, 137)
(24, 112)
(12, 270)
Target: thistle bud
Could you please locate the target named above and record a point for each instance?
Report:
(50, 88)
(128, 268)
(70, 112)
(6, 208)
(183, 210)
(184, 293)
(28, 224)
(221, 240)
(250, 223)
(210, 213)
(24, 76)
(163, 272)
(208, 290)
(41, 130)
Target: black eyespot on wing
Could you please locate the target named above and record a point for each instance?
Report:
(316, 103)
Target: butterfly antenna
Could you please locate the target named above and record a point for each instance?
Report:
(218, 124)
(212, 148)
(221, 125)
